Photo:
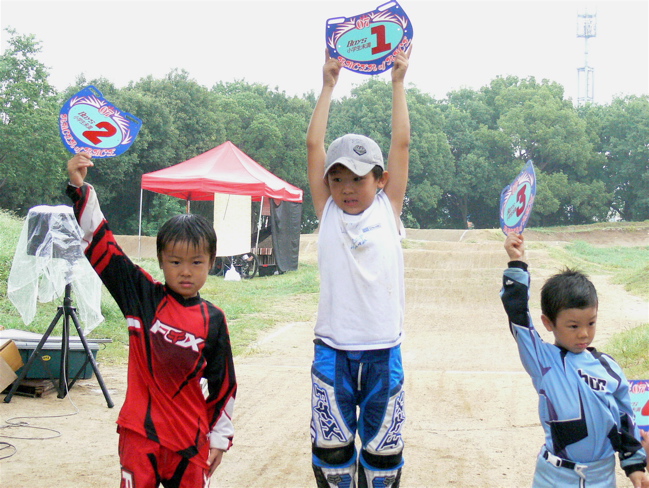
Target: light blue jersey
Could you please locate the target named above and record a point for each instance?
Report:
(584, 403)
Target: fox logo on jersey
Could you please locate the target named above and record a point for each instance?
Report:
(597, 384)
(176, 336)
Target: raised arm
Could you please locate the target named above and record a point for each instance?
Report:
(78, 168)
(315, 136)
(398, 157)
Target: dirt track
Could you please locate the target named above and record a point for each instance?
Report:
(471, 409)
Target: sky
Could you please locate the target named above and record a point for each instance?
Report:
(456, 43)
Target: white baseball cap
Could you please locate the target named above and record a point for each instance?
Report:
(358, 153)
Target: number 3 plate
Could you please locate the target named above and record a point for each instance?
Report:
(89, 123)
(517, 199)
(367, 43)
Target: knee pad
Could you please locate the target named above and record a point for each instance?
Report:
(379, 471)
(333, 455)
(335, 467)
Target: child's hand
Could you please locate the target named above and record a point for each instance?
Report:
(216, 456)
(78, 168)
(639, 479)
(400, 66)
(515, 246)
(330, 70)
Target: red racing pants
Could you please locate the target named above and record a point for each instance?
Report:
(147, 464)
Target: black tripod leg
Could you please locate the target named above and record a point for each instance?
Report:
(93, 363)
(32, 358)
(65, 351)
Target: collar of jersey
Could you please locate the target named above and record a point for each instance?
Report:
(186, 302)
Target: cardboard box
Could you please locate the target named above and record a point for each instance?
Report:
(9, 352)
(10, 362)
(7, 375)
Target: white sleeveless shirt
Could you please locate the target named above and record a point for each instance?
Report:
(362, 293)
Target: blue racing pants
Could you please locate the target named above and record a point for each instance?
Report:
(358, 391)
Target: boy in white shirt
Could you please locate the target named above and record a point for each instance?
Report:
(357, 362)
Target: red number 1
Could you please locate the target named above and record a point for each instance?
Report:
(381, 45)
(94, 135)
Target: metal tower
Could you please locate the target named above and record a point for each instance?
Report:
(586, 28)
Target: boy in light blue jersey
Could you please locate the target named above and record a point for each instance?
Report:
(584, 403)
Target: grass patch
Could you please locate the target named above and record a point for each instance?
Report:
(599, 226)
(413, 244)
(10, 228)
(628, 266)
(630, 351)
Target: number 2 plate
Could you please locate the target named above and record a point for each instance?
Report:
(89, 123)
(517, 199)
(367, 43)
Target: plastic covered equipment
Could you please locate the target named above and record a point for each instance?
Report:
(48, 257)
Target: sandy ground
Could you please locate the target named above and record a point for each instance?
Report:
(471, 409)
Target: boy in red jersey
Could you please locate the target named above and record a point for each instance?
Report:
(175, 423)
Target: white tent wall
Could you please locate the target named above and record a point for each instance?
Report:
(232, 223)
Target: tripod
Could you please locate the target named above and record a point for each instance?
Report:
(67, 312)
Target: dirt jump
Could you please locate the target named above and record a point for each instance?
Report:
(471, 409)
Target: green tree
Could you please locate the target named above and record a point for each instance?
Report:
(431, 163)
(562, 202)
(31, 153)
(544, 127)
(194, 110)
(624, 136)
(482, 160)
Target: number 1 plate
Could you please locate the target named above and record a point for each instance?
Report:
(367, 43)
(89, 123)
(517, 199)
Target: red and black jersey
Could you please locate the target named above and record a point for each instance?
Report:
(174, 343)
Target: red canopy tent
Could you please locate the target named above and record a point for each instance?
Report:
(228, 170)
(224, 169)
